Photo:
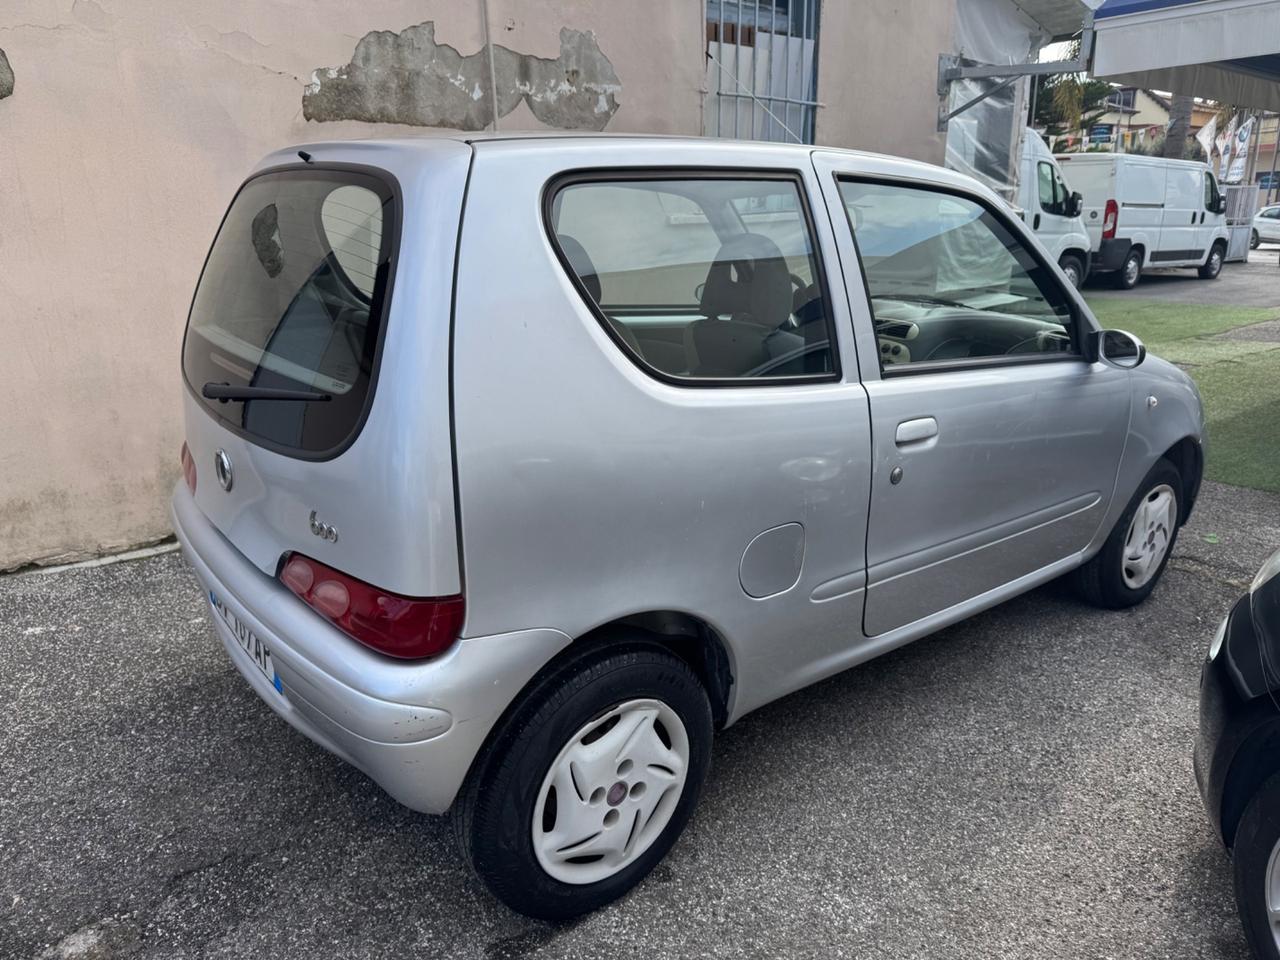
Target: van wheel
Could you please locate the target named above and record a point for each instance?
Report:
(588, 782)
(1255, 862)
(1130, 563)
(1255, 241)
(1130, 271)
(1213, 266)
(1073, 268)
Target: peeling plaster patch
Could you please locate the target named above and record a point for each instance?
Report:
(6, 77)
(407, 77)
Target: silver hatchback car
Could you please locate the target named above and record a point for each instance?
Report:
(515, 467)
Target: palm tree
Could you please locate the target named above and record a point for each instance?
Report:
(1175, 141)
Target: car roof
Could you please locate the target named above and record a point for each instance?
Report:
(553, 139)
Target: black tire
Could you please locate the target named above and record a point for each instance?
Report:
(1130, 272)
(1101, 581)
(1073, 267)
(1213, 264)
(493, 817)
(1256, 837)
(1254, 240)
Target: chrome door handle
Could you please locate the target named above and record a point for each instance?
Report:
(913, 431)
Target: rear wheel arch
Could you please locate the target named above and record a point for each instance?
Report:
(1080, 258)
(690, 638)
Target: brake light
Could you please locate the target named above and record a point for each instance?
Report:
(188, 468)
(1110, 214)
(406, 627)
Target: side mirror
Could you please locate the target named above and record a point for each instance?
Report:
(1075, 204)
(1220, 206)
(1116, 347)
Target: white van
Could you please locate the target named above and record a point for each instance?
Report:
(1149, 212)
(1051, 209)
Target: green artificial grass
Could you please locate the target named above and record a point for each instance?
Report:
(1239, 379)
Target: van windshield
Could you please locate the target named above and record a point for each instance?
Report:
(292, 299)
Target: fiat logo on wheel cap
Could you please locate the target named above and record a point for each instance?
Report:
(222, 469)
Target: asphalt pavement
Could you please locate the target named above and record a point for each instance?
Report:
(1018, 785)
(1255, 283)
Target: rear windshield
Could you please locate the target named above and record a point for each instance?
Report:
(292, 298)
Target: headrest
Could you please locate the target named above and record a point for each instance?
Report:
(748, 276)
(576, 254)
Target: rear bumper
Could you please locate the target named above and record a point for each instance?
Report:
(413, 727)
(1111, 254)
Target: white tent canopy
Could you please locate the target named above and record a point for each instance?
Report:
(1227, 50)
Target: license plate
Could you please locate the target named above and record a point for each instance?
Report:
(248, 640)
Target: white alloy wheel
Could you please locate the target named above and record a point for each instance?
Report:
(610, 792)
(1150, 532)
(1131, 268)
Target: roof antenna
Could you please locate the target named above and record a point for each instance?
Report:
(306, 157)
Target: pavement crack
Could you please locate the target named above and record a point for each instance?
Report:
(1194, 565)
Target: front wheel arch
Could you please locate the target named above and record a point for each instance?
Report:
(1187, 457)
(1254, 763)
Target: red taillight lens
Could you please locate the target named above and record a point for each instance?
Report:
(1110, 214)
(405, 627)
(188, 468)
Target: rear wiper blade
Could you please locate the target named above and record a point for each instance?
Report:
(225, 391)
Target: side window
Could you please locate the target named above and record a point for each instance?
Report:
(700, 278)
(1048, 199)
(1210, 192)
(1062, 196)
(950, 281)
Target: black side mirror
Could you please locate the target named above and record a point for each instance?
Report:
(1075, 204)
(1116, 347)
(1220, 206)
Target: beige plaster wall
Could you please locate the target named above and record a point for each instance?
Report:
(130, 124)
(878, 73)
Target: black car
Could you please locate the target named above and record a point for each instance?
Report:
(1237, 753)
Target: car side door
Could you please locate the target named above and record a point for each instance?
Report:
(1181, 237)
(1268, 224)
(995, 443)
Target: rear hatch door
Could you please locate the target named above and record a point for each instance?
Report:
(316, 364)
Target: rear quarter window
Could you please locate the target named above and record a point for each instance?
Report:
(293, 297)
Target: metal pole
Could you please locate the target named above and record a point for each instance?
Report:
(720, 83)
(1275, 148)
(786, 79)
(493, 74)
(737, 68)
(755, 65)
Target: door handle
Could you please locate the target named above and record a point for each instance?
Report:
(1193, 218)
(913, 431)
(1035, 224)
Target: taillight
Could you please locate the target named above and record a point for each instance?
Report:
(405, 627)
(1110, 214)
(188, 468)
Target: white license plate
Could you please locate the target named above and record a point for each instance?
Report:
(248, 640)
